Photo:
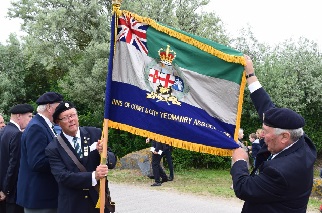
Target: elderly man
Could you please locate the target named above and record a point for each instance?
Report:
(283, 175)
(75, 162)
(10, 140)
(2, 123)
(37, 188)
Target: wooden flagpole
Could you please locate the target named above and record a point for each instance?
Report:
(115, 6)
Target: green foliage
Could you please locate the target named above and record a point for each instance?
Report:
(183, 159)
(12, 83)
(122, 142)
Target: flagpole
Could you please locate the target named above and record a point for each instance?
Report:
(115, 6)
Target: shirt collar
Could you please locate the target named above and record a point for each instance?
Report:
(17, 125)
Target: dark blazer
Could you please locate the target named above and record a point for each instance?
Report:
(282, 184)
(76, 193)
(37, 187)
(159, 146)
(10, 159)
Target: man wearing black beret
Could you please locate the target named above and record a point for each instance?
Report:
(10, 140)
(283, 175)
(76, 185)
(37, 189)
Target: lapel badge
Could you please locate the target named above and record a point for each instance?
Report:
(85, 140)
(86, 151)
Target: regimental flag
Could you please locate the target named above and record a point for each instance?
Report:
(174, 87)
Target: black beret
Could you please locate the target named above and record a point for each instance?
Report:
(62, 107)
(21, 109)
(283, 118)
(49, 98)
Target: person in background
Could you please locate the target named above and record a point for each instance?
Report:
(2, 201)
(37, 188)
(255, 146)
(167, 153)
(10, 141)
(157, 150)
(260, 136)
(76, 187)
(2, 123)
(283, 175)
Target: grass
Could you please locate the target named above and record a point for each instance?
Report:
(214, 183)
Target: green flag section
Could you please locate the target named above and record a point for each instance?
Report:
(174, 87)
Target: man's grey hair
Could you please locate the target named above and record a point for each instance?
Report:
(294, 133)
(41, 108)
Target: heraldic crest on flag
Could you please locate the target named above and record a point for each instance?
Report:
(173, 87)
(163, 79)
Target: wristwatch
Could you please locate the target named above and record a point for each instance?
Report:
(250, 75)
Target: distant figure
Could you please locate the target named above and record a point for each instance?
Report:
(157, 150)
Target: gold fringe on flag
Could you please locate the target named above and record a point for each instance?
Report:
(171, 141)
(187, 39)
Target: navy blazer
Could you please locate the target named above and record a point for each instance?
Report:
(10, 159)
(282, 184)
(76, 193)
(37, 187)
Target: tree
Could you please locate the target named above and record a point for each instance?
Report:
(12, 74)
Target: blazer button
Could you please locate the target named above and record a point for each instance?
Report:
(86, 196)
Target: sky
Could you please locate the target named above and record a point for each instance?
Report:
(271, 22)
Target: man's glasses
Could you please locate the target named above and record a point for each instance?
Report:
(65, 118)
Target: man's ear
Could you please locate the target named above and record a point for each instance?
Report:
(286, 136)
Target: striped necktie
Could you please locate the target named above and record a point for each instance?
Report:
(269, 158)
(53, 127)
(77, 148)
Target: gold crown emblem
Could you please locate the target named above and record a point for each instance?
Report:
(167, 56)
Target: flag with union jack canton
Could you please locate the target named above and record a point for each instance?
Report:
(174, 87)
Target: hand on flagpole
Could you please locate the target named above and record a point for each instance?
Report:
(99, 146)
(101, 172)
(239, 154)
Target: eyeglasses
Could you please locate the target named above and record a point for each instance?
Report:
(65, 118)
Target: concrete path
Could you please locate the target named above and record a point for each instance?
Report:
(146, 199)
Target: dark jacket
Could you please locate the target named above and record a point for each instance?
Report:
(76, 193)
(160, 146)
(284, 183)
(37, 187)
(10, 158)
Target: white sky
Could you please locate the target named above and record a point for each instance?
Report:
(271, 21)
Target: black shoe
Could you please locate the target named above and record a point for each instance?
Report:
(164, 180)
(151, 176)
(156, 184)
(170, 178)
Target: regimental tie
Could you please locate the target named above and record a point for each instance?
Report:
(269, 158)
(77, 148)
(53, 127)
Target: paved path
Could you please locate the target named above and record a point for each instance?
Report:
(146, 199)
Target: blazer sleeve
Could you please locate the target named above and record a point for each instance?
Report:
(36, 141)
(63, 175)
(259, 187)
(261, 101)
